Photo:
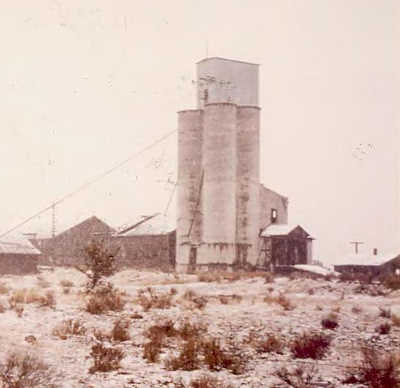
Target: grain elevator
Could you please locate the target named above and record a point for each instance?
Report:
(221, 206)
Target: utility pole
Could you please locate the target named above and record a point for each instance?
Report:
(356, 244)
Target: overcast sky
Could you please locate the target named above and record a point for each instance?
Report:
(86, 84)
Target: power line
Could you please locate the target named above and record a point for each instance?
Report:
(170, 199)
(90, 182)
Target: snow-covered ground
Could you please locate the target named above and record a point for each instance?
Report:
(235, 319)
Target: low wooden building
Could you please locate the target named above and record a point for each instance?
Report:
(67, 248)
(284, 245)
(150, 243)
(374, 265)
(18, 257)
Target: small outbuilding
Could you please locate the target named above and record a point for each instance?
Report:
(18, 257)
(284, 245)
(67, 248)
(373, 265)
(150, 243)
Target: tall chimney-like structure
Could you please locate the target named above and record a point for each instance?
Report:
(218, 168)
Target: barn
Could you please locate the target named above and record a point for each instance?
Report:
(66, 248)
(18, 257)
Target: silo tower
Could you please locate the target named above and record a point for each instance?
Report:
(218, 168)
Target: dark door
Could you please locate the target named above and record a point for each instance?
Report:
(192, 259)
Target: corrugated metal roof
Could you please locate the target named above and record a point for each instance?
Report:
(362, 259)
(18, 247)
(158, 224)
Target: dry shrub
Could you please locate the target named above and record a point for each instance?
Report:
(217, 359)
(48, 300)
(189, 294)
(69, 327)
(336, 309)
(190, 330)
(229, 299)
(156, 335)
(163, 329)
(66, 290)
(152, 350)
(383, 328)
(101, 336)
(330, 321)
(2, 308)
(105, 358)
(207, 381)
(392, 282)
(195, 300)
(268, 277)
(385, 312)
(356, 309)
(310, 345)
(19, 310)
(270, 344)
(282, 300)
(24, 371)
(149, 299)
(66, 283)
(104, 299)
(120, 330)
(377, 370)
(4, 289)
(42, 283)
(209, 277)
(18, 296)
(329, 277)
(136, 315)
(395, 320)
(188, 357)
(298, 377)
(31, 296)
(173, 291)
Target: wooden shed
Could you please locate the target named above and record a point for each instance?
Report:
(18, 257)
(284, 245)
(149, 243)
(373, 265)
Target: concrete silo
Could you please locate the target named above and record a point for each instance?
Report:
(219, 186)
(248, 183)
(190, 140)
(218, 168)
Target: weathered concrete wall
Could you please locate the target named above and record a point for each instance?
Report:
(272, 200)
(219, 185)
(248, 178)
(221, 80)
(189, 220)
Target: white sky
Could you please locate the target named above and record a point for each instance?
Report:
(86, 84)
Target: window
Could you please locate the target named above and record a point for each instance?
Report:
(274, 215)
